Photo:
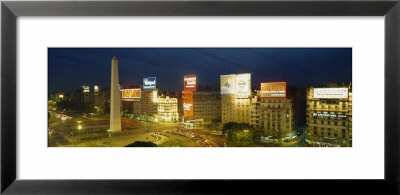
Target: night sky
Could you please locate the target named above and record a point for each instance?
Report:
(70, 68)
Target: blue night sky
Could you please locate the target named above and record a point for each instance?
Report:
(70, 68)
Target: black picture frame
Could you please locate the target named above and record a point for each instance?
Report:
(11, 10)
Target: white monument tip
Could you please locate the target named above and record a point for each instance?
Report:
(114, 58)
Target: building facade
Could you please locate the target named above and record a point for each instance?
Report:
(234, 109)
(276, 116)
(235, 98)
(167, 109)
(187, 104)
(207, 105)
(147, 104)
(88, 96)
(329, 115)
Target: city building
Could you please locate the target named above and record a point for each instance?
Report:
(87, 95)
(147, 104)
(167, 109)
(329, 115)
(142, 100)
(57, 97)
(95, 97)
(276, 116)
(189, 87)
(129, 96)
(235, 98)
(99, 98)
(235, 109)
(207, 105)
(178, 95)
(187, 99)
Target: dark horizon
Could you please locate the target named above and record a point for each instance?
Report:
(71, 68)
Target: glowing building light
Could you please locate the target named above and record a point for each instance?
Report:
(331, 93)
(190, 82)
(149, 83)
(273, 89)
(86, 89)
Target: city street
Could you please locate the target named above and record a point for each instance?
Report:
(92, 132)
(80, 131)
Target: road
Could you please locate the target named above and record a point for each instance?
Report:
(82, 132)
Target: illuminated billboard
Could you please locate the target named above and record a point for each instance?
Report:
(243, 85)
(86, 89)
(187, 107)
(190, 83)
(273, 89)
(131, 93)
(325, 114)
(149, 83)
(187, 97)
(331, 93)
(228, 84)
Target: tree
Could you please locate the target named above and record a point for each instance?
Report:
(106, 107)
(239, 134)
(228, 126)
(74, 105)
(142, 144)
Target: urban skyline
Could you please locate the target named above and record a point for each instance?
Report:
(70, 68)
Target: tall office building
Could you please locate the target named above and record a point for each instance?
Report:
(207, 105)
(146, 104)
(189, 87)
(276, 116)
(235, 98)
(329, 115)
(115, 107)
(235, 109)
(273, 111)
(187, 104)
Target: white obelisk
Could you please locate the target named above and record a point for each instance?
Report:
(115, 107)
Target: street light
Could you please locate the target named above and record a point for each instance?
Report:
(109, 133)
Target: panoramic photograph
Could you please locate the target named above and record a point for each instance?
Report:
(199, 97)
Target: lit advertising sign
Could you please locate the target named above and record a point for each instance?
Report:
(131, 93)
(243, 85)
(190, 83)
(329, 115)
(187, 106)
(187, 97)
(86, 89)
(228, 84)
(273, 89)
(149, 83)
(331, 93)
